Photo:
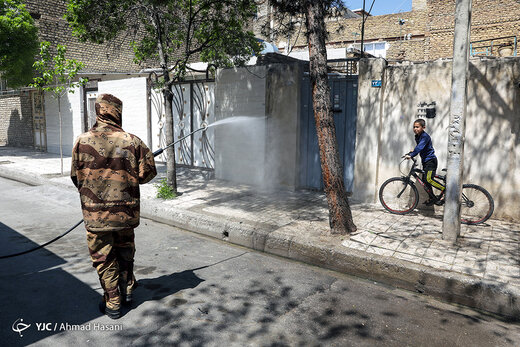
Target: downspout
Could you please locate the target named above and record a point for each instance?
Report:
(380, 128)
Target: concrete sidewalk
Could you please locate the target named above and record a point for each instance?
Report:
(481, 271)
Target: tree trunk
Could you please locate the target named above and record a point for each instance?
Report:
(171, 176)
(61, 136)
(340, 216)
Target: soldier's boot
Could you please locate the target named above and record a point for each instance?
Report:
(127, 291)
(111, 304)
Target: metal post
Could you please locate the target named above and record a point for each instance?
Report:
(456, 132)
(363, 30)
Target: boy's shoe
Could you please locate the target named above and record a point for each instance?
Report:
(439, 201)
(114, 314)
(429, 202)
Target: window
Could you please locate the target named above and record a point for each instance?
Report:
(377, 49)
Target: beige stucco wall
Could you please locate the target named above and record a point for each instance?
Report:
(492, 146)
(263, 150)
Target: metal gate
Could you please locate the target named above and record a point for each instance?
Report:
(344, 103)
(193, 106)
(39, 128)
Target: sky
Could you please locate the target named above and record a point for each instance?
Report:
(381, 6)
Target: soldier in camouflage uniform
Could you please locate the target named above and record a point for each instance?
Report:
(108, 164)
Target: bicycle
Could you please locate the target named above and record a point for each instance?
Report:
(399, 195)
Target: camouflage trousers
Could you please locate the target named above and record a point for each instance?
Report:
(112, 254)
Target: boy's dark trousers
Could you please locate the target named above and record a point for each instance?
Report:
(429, 168)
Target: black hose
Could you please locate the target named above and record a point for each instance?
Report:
(156, 153)
(45, 244)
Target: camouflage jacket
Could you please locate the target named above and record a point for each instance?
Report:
(108, 164)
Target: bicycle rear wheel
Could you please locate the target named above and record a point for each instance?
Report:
(398, 195)
(476, 204)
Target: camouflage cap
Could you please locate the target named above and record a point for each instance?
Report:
(109, 109)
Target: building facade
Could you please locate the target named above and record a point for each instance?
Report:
(116, 56)
(422, 34)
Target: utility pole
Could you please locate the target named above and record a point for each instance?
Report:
(363, 30)
(457, 126)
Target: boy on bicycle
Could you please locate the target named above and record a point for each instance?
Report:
(429, 161)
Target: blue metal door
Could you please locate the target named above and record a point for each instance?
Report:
(344, 103)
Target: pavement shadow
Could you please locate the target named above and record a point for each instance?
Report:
(160, 287)
(166, 285)
(34, 289)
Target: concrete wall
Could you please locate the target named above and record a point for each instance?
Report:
(263, 149)
(132, 92)
(240, 146)
(16, 125)
(492, 147)
(283, 110)
(369, 117)
(72, 120)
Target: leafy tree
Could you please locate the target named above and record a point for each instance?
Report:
(18, 43)
(172, 32)
(57, 75)
(312, 13)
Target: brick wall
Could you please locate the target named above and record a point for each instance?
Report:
(419, 5)
(490, 19)
(430, 23)
(16, 127)
(109, 57)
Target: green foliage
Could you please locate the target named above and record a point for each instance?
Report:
(164, 191)
(57, 73)
(172, 32)
(18, 43)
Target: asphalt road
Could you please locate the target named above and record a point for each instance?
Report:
(195, 291)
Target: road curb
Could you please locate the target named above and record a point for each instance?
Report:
(445, 285)
(23, 177)
(327, 252)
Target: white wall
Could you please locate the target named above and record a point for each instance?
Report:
(332, 53)
(71, 112)
(132, 92)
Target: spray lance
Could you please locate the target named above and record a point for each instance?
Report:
(156, 153)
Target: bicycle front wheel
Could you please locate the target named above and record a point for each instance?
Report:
(476, 204)
(398, 195)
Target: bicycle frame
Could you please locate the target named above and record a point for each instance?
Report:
(471, 195)
(414, 171)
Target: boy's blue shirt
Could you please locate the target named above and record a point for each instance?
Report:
(424, 147)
